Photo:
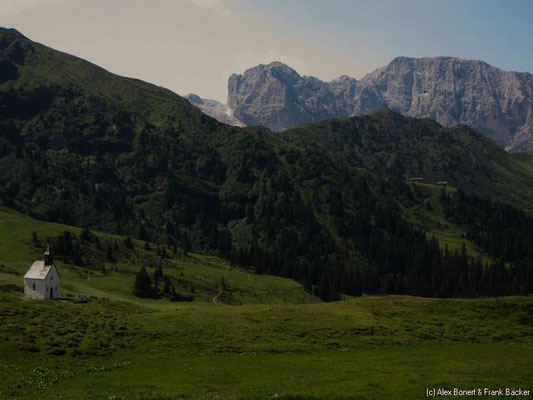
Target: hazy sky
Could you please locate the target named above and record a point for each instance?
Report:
(194, 45)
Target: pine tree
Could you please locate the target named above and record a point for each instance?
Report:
(128, 243)
(143, 285)
(142, 233)
(158, 275)
(34, 238)
(109, 254)
(86, 235)
(167, 286)
(186, 243)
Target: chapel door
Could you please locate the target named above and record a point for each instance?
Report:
(51, 292)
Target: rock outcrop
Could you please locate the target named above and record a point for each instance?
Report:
(214, 109)
(450, 90)
(455, 91)
(276, 96)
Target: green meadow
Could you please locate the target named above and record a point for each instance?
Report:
(266, 338)
(364, 348)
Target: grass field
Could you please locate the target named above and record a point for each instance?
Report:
(275, 342)
(367, 348)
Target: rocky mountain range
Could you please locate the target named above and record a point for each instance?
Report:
(450, 90)
(215, 109)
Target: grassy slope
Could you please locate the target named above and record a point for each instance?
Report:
(202, 272)
(367, 348)
(47, 66)
(525, 157)
(430, 217)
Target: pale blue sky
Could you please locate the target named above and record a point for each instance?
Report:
(499, 32)
(192, 46)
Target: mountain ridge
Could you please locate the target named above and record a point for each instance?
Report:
(451, 90)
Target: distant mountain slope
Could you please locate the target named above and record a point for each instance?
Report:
(390, 144)
(450, 90)
(214, 109)
(526, 157)
(325, 204)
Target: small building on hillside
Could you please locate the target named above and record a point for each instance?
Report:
(416, 180)
(42, 279)
(442, 183)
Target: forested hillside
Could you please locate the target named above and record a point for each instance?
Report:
(324, 204)
(393, 145)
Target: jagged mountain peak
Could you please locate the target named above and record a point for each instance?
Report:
(276, 96)
(343, 78)
(455, 91)
(194, 99)
(267, 72)
(434, 59)
(451, 90)
(274, 65)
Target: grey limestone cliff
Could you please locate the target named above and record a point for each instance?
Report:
(214, 109)
(455, 91)
(450, 90)
(276, 96)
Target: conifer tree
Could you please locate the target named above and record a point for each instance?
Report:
(143, 285)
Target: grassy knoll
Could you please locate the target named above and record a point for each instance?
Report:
(430, 217)
(197, 275)
(367, 348)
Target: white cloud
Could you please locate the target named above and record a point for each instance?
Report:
(14, 7)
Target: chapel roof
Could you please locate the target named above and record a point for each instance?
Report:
(38, 270)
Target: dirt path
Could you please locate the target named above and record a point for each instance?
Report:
(216, 302)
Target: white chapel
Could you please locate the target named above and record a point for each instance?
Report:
(42, 279)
